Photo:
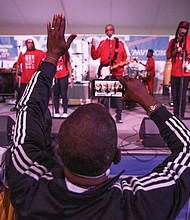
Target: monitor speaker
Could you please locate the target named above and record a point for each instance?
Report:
(6, 130)
(150, 135)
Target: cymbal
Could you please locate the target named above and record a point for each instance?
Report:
(77, 53)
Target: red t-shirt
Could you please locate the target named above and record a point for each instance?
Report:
(61, 68)
(107, 47)
(150, 66)
(30, 63)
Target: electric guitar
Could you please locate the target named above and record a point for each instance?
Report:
(105, 70)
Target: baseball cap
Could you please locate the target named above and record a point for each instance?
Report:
(184, 24)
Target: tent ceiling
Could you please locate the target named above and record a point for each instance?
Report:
(157, 17)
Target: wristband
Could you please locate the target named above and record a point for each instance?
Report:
(153, 108)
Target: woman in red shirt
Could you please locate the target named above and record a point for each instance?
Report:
(179, 52)
(60, 87)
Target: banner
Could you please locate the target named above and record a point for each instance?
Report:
(84, 68)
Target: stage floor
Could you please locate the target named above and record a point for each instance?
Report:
(128, 132)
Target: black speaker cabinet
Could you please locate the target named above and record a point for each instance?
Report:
(150, 135)
(6, 129)
(79, 91)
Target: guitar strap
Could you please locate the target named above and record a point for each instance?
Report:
(116, 49)
(114, 58)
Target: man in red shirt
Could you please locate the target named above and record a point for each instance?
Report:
(30, 61)
(112, 54)
(64, 70)
(150, 70)
(179, 52)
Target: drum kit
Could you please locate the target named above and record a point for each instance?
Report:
(142, 75)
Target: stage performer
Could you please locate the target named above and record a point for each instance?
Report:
(61, 79)
(113, 58)
(179, 52)
(30, 61)
(150, 71)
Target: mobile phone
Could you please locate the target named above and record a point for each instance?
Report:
(107, 88)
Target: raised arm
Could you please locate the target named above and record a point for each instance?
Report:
(167, 186)
(29, 160)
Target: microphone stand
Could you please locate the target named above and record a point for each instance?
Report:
(182, 78)
(109, 77)
(110, 59)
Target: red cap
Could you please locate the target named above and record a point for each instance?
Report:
(184, 24)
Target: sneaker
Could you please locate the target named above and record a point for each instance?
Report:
(57, 115)
(119, 121)
(65, 115)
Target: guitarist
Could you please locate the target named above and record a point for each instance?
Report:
(112, 54)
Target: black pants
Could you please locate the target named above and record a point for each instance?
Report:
(60, 89)
(179, 86)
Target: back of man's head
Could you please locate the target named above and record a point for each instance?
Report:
(88, 140)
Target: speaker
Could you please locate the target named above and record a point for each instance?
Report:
(150, 135)
(79, 91)
(6, 130)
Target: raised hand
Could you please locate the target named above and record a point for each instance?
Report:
(56, 43)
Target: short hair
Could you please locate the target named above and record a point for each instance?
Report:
(151, 51)
(111, 26)
(88, 140)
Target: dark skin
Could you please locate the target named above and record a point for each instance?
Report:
(135, 90)
(56, 44)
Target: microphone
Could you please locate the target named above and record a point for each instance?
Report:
(184, 38)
